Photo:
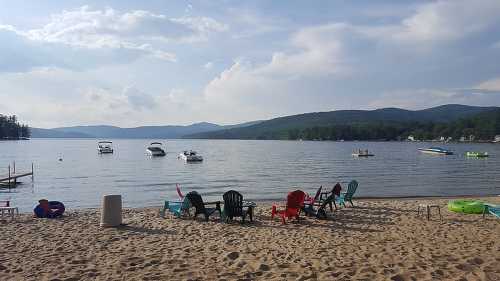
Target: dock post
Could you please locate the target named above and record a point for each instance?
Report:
(9, 177)
(14, 167)
(32, 174)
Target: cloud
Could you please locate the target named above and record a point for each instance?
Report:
(490, 85)
(139, 100)
(137, 30)
(449, 20)
(208, 65)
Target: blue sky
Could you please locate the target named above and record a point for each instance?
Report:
(132, 63)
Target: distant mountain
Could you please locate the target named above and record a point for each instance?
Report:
(279, 128)
(49, 133)
(151, 132)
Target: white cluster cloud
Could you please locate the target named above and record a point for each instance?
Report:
(136, 30)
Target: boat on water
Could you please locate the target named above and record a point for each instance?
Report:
(436, 150)
(362, 153)
(190, 156)
(156, 149)
(476, 154)
(104, 147)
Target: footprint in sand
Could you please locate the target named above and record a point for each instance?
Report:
(233, 255)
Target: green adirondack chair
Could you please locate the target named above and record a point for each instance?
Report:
(319, 213)
(347, 196)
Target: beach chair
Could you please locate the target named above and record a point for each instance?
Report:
(294, 204)
(197, 202)
(233, 206)
(178, 208)
(347, 196)
(175, 204)
(312, 200)
(324, 195)
(491, 209)
(320, 212)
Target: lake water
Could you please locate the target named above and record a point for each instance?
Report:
(258, 169)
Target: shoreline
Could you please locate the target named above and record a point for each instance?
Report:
(271, 201)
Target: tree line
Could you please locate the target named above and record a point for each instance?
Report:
(10, 128)
(484, 126)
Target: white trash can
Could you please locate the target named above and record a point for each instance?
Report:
(111, 212)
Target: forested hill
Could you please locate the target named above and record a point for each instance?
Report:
(10, 128)
(381, 124)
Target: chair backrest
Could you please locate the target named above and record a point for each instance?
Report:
(318, 194)
(351, 189)
(233, 203)
(186, 204)
(196, 201)
(336, 189)
(177, 187)
(295, 199)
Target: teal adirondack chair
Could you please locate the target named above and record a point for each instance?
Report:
(492, 209)
(178, 208)
(347, 196)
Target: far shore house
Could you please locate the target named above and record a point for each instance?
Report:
(497, 138)
(411, 138)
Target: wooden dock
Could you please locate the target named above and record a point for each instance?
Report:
(10, 180)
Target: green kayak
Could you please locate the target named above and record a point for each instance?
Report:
(466, 206)
(476, 154)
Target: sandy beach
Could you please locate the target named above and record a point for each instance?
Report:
(379, 239)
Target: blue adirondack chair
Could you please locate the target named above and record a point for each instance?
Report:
(178, 208)
(492, 209)
(347, 196)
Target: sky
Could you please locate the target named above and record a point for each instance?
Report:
(132, 63)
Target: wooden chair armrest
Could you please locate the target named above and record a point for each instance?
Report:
(211, 203)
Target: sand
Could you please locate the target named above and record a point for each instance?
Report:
(376, 240)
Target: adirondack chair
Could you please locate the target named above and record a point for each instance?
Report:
(233, 206)
(294, 204)
(324, 195)
(312, 200)
(178, 208)
(347, 196)
(197, 202)
(492, 209)
(320, 212)
(175, 204)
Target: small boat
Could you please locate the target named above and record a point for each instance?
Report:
(436, 150)
(155, 149)
(476, 154)
(190, 156)
(104, 147)
(362, 153)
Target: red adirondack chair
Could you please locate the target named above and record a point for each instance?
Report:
(294, 203)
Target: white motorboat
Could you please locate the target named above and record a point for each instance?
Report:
(104, 147)
(190, 156)
(436, 150)
(156, 149)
